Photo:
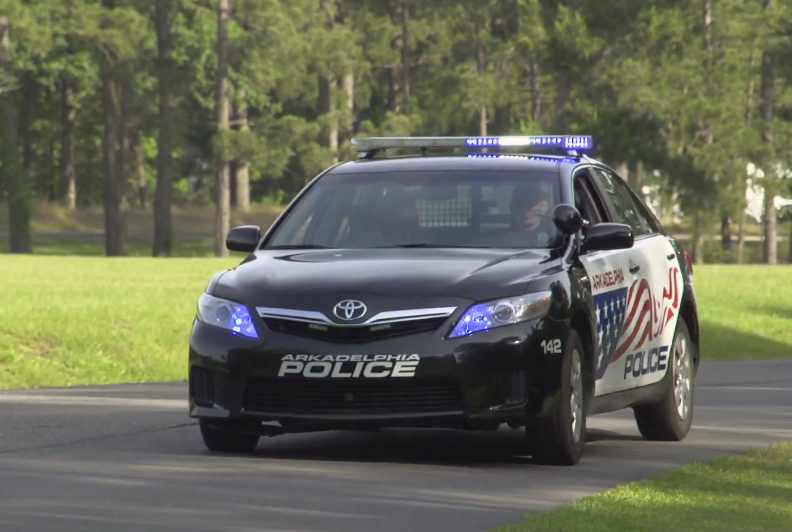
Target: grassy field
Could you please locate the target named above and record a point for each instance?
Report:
(89, 320)
(748, 493)
(86, 320)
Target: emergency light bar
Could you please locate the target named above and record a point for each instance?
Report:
(569, 144)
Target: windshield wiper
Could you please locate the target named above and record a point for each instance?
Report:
(299, 246)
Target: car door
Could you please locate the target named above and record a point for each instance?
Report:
(610, 279)
(640, 352)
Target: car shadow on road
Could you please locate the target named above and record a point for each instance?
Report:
(417, 447)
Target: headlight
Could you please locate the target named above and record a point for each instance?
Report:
(485, 316)
(227, 315)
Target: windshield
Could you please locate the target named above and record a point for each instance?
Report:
(424, 209)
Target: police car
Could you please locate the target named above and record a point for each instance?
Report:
(500, 281)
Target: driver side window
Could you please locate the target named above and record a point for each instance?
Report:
(586, 202)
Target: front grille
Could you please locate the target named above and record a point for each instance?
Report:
(367, 333)
(202, 386)
(351, 396)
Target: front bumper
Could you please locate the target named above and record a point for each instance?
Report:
(475, 382)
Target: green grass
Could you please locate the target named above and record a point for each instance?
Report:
(94, 247)
(745, 311)
(94, 320)
(83, 320)
(749, 493)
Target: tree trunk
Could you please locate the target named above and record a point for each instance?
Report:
(112, 158)
(698, 236)
(562, 100)
(536, 99)
(241, 169)
(223, 219)
(163, 194)
(623, 170)
(741, 238)
(124, 158)
(394, 89)
(139, 181)
(726, 230)
(790, 248)
(67, 190)
(328, 138)
(348, 88)
(768, 102)
(748, 120)
(28, 119)
(324, 106)
(405, 56)
(770, 230)
(17, 187)
(481, 68)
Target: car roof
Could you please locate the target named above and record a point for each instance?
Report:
(511, 163)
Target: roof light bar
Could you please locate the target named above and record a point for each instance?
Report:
(368, 146)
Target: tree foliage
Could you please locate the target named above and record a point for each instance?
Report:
(672, 90)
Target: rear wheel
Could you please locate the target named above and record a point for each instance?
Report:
(670, 418)
(227, 440)
(559, 438)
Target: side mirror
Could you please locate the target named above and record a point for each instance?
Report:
(567, 219)
(607, 236)
(244, 238)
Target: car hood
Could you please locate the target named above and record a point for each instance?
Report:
(270, 277)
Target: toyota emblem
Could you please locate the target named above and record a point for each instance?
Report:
(349, 309)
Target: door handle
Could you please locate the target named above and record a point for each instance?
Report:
(671, 256)
(634, 268)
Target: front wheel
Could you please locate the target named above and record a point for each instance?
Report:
(227, 441)
(670, 418)
(559, 438)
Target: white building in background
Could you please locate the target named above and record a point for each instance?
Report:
(754, 194)
(754, 191)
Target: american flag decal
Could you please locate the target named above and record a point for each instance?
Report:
(610, 307)
(629, 318)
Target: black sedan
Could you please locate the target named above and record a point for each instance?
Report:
(461, 291)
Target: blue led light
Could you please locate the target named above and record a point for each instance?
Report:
(486, 316)
(229, 315)
(566, 160)
(478, 318)
(583, 142)
(243, 323)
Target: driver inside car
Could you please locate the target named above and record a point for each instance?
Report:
(531, 223)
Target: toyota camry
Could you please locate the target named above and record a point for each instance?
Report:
(467, 289)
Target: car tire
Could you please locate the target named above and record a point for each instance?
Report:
(227, 440)
(670, 418)
(554, 439)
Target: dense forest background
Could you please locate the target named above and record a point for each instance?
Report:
(150, 104)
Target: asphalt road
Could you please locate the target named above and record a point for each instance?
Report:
(128, 458)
